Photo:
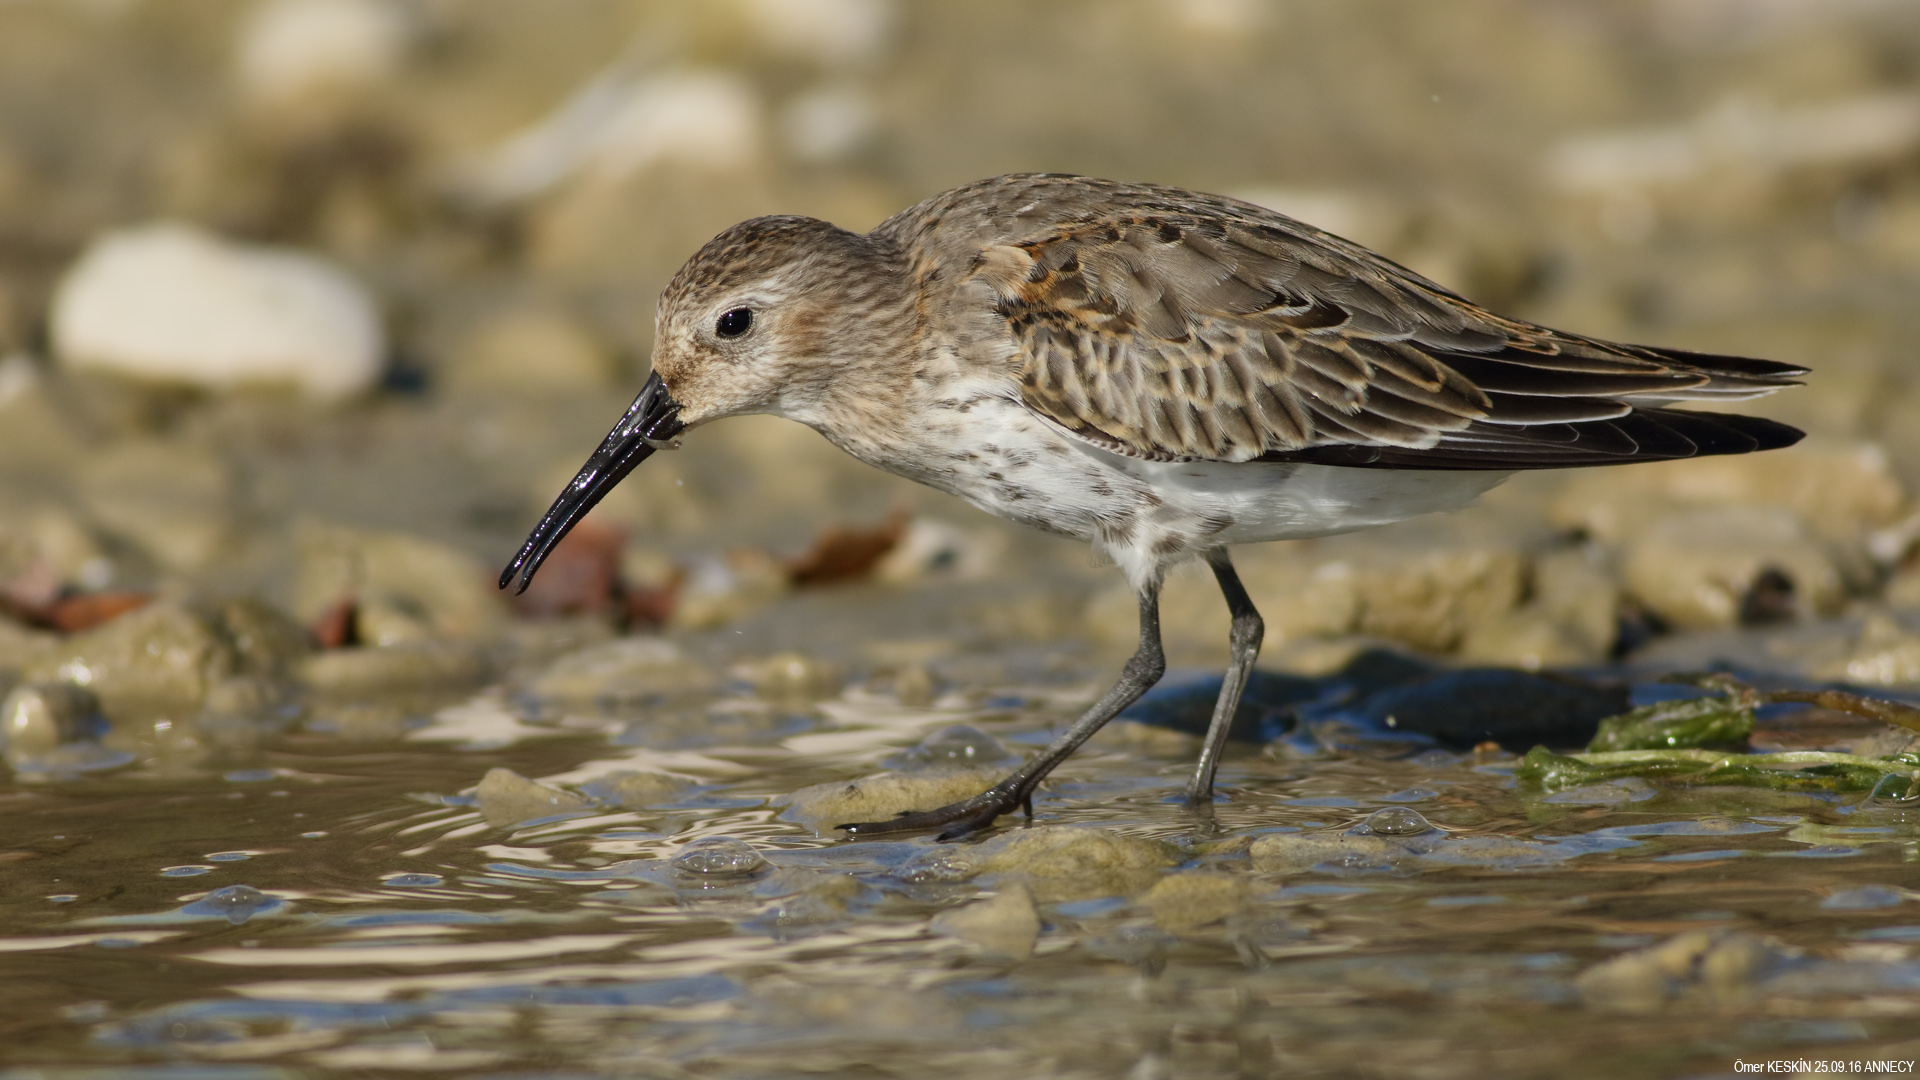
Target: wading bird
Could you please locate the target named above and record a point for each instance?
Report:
(1159, 372)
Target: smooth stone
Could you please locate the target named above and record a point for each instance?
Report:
(529, 349)
(1362, 849)
(1695, 567)
(174, 500)
(266, 642)
(1839, 489)
(877, 798)
(1004, 925)
(297, 58)
(623, 670)
(162, 655)
(37, 717)
(173, 303)
(634, 788)
(1062, 862)
(1196, 898)
(1722, 967)
(396, 574)
(418, 665)
(506, 798)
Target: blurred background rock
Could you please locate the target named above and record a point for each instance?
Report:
(321, 301)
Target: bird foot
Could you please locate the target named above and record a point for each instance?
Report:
(960, 819)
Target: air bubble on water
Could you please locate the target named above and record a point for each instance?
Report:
(720, 857)
(234, 903)
(960, 744)
(1396, 821)
(937, 869)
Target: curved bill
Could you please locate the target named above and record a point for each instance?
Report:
(651, 421)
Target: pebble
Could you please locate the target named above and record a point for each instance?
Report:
(877, 798)
(506, 798)
(1003, 926)
(401, 582)
(724, 589)
(1696, 567)
(1838, 489)
(831, 33)
(265, 641)
(1884, 654)
(1362, 848)
(37, 717)
(162, 655)
(792, 677)
(1722, 967)
(1196, 898)
(1069, 862)
(828, 123)
(529, 349)
(173, 499)
(382, 669)
(718, 858)
(634, 788)
(621, 123)
(631, 669)
(298, 57)
(172, 303)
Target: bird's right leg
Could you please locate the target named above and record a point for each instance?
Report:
(1144, 669)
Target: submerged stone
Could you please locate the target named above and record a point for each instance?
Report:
(1003, 925)
(1194, 899)
(1362, 848)
(506, 798)
(162, 655)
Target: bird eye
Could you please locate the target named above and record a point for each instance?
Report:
(734, 323)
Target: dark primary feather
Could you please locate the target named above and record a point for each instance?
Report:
(1173, 326)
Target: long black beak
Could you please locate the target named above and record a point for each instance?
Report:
(651, 421)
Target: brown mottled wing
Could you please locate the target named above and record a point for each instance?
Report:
(1228, 333)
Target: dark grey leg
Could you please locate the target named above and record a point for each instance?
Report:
(1245, 649)
(1142, 671)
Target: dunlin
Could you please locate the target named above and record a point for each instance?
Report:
(1159, 372)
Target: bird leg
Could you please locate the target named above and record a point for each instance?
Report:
(1248, 628)
(1144, 669)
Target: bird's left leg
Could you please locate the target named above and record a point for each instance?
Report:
(1244, 640)
(1148, 663)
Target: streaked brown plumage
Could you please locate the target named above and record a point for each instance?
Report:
(1160, 372)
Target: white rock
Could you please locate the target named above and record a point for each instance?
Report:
(618, 124)
(173, 303)
(294, 51)
(829, 32)
(828, 123)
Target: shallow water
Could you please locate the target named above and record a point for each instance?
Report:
(335, 909)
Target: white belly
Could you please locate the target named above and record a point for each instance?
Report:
(1147, 515)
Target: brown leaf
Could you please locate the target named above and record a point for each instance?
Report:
(338, 626)
(88, 610)
(840, 554)
(581, 577)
